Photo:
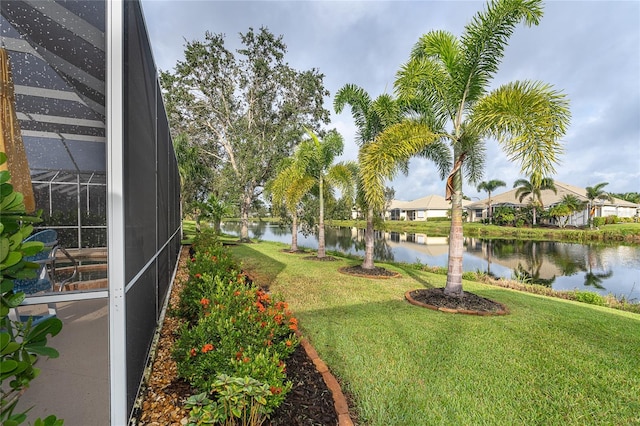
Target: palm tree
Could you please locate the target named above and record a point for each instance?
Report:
(534, 187)
(371, 118)
(595, 193)
(314, 158)
(289, 187)
(446, 83)
(489, 187)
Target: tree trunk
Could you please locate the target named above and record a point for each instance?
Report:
(456, 241)
(294, 232)
(217, 225)
(245, 205)
(368, 242)
(534, 216)
(321, 251)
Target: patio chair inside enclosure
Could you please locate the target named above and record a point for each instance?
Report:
(46, 273)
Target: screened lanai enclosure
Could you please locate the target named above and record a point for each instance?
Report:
(103, 172)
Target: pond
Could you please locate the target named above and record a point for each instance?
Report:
(605, 269)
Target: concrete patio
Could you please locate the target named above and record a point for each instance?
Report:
(75, 386)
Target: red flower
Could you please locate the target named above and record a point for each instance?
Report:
(198, 276)
(206, 348)
(193, 352)
(260, 307)
(246, 359)
(205, 302)
(193, 259)
(278, 319)
(274, 390)
(236, 293)
(293, 324)
(288, 343)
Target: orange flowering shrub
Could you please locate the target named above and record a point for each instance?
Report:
(233, 328)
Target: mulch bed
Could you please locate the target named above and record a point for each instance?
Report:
(376, 272)
(310, 402)
(321, 259)
(299, 251)
(469, 303)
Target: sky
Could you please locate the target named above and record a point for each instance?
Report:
(589, 50)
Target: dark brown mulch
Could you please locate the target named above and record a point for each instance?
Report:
(468, 303)
(321, 259)
(376, 272)
(309, 403)
(299, 251)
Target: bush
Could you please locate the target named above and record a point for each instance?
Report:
(598, 221)
(589, 297)
(233, 328)
(609, 220)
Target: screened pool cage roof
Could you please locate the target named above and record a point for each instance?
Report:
(57, 55)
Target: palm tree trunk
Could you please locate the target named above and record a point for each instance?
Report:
(534, 216)
(321, 250)
(369, 242)
(456, 241)
(294, 232)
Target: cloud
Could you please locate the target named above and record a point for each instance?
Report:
(588, 50)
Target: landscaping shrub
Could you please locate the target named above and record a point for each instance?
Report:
(599, 221)
(235, 337)
(589, 297)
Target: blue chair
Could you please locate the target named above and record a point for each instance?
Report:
(45, 280)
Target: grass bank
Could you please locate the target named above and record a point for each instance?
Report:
(549, 362)
(621, 232)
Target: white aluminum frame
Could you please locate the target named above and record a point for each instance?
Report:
(115, 211)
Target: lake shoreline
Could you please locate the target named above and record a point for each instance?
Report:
(623, 233)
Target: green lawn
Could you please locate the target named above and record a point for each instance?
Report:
(550, 362)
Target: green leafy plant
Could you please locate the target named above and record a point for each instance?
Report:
(590, 298)
(20, 343)
(240, 400)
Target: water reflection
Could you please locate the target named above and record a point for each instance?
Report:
(562, 266)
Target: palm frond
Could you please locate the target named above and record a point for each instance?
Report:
(360, 102)
(379, 160)
(425, 85)
(439, 45)
(528, 119)
(485, 39)
(440, 153)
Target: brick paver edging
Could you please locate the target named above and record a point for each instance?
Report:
(339, 400)
(502, 311)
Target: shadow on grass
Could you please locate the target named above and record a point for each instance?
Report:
(412, 273)
(264, 269)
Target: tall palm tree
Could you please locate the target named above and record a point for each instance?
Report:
(314, 158)
(534, 188)
(595, 193)
(289, 187)
(371, 118)
(446, 82)
(489, 187)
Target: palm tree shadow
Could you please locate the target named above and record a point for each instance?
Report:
(411, 272)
